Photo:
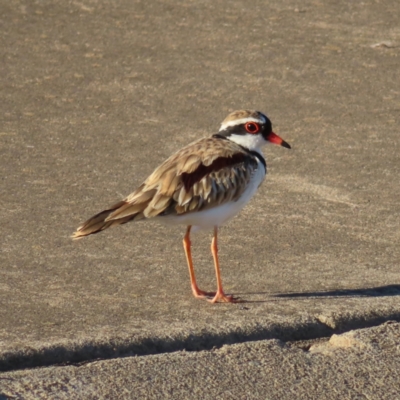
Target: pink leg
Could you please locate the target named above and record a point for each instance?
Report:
(220, 295)
(187, 246)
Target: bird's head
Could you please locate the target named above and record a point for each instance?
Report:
(250, 129)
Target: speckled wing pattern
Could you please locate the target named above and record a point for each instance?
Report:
(202, 175)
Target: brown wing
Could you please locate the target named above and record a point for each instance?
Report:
(204, 174)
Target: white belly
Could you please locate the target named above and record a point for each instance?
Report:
(217, 216)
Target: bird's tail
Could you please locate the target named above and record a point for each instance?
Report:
(115, 215)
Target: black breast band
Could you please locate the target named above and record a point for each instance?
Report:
(252, 152)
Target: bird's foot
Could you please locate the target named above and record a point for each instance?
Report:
(214, 297)
(221, 297)
(201, 294)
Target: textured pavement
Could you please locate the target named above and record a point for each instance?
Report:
(95, 95)
(362, 364)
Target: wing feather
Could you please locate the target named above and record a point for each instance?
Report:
(206, 173)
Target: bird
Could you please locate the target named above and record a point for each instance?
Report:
(201, 186)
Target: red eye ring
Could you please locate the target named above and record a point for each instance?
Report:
(252, 127)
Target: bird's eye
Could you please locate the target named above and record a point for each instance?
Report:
(252, 127)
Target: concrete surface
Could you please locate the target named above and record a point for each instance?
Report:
(361, 364)
(96, 94)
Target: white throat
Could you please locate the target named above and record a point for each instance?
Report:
(251, 142)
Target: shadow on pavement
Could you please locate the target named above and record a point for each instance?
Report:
(380, 291)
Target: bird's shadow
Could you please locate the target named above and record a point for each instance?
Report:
(379, 291)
